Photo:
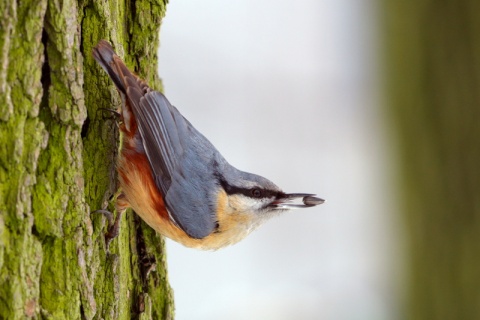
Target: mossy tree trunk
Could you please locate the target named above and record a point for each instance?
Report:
(433, 57)
(57, 153)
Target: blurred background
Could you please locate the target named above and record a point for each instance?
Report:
(371, 105)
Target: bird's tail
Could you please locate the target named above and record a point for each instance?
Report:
(111, 63)
(131, 87)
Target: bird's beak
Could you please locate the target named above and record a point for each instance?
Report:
(285, 201)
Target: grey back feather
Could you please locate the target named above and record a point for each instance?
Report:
(181, 159)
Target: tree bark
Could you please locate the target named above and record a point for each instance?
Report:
(57, 154)
(433, 59)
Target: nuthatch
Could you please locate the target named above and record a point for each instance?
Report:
(175, 179)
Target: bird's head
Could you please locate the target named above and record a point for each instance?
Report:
(250, 199)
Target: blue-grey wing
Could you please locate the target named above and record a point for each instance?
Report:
(160, 129)
(172, 148)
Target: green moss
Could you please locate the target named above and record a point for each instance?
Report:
(21, 140)
(159, 290)
(53, 262)
(59, 296)
(50, 199)
(144, 31)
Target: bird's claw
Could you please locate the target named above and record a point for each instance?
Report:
(113, 225)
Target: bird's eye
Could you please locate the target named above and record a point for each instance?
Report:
(256, 193)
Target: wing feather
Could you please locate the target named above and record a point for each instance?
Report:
(160, 136)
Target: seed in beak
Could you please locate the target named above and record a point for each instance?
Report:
(312, 201)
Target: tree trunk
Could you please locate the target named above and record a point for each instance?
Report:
(433, 57)
(57, 154)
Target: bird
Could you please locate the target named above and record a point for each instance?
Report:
(173, 177)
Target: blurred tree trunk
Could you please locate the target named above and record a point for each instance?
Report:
(433, 64)
(57, 154)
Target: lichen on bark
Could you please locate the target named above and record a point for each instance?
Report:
(57, 154)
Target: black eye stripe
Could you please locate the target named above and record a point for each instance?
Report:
(256, 193)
